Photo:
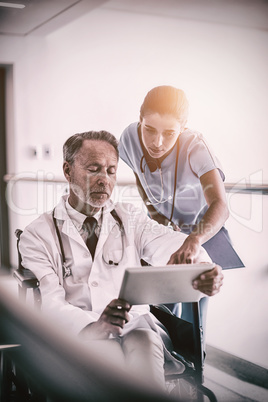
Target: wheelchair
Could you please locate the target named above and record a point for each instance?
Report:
(185, 336)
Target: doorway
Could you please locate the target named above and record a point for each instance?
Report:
(4, 222)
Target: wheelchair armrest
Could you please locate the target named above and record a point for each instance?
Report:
(26, 278)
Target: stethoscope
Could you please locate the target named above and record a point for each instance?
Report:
(66, 270)
(156, 201)
(161, 200)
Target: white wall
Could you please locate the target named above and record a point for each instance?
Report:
(94, 74)
(237, 317)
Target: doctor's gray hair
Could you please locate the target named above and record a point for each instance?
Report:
(166, 99)
(75, 142)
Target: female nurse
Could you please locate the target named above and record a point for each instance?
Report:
(178, 176)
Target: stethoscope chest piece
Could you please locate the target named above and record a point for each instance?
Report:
(113, 249)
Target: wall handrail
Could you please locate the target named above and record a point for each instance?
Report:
(246, 188)
(229, 187)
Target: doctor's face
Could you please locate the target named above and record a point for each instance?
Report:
(92, 176)
(159, 133)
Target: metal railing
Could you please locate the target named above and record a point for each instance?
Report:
(229, 187)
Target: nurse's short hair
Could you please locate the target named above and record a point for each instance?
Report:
(75, 142)
(166, 99)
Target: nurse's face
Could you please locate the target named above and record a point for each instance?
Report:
(92, 176)
(159, 133)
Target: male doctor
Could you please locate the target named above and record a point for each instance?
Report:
(80, 285)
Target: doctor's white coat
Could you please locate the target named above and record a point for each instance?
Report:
(79, 299)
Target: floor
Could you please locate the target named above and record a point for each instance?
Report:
(230, 389)
(232, 379)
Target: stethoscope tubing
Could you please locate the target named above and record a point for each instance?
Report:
(162, 201)
(156, 201)
(66, 271)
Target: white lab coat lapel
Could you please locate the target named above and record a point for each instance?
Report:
(66, 225)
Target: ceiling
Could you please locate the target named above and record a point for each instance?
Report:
(40, 17)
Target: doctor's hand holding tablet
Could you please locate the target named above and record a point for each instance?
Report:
(111, 321)
(209, 282)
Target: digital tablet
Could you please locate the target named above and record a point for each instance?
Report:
(165, 284)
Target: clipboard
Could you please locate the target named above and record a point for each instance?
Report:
(221, 251)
